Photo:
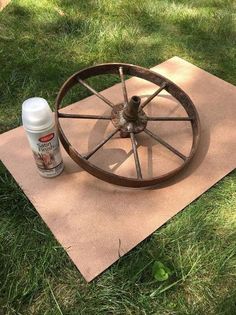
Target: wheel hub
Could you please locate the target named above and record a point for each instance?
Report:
(129, 117)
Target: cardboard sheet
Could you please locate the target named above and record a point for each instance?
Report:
(97, 222)
(3, 3)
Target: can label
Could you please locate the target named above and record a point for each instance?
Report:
(46, 151)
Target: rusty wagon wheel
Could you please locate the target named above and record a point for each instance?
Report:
(128, 119)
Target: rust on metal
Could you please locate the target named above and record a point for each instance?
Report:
(63, 115)
(122, 115)
(124, 90)
(129, 119)
(130, 113)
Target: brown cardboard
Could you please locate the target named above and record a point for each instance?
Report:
(3, 3)
(96, 222)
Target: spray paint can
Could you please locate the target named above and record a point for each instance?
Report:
(38, 122)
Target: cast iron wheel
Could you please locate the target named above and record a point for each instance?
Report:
(128, 119)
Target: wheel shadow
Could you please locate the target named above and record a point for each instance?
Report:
(118, 156)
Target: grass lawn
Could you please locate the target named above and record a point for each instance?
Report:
(41, 44)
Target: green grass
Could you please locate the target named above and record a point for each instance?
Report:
(41, 44)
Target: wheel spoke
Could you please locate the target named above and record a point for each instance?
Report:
(103, 98)
(62, 115)
(165, 144)
(136, 158)
(169, 118)
(123, 86)
(98, 146)
(148, 100)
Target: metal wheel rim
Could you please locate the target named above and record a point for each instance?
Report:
(137, 71)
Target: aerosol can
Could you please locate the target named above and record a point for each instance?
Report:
(38, 122)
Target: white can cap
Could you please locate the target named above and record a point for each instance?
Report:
(36, 114)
